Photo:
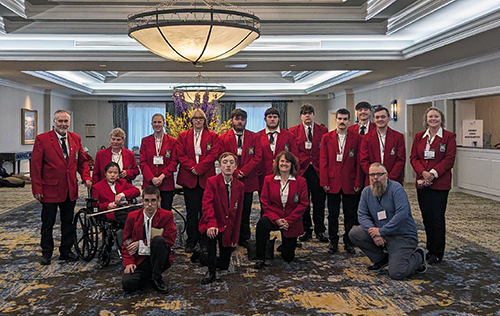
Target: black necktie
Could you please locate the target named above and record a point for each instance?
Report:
(228, 199)
(64, 148)
(310, 134)
(271, 137)
(240, 143)
(362, 132)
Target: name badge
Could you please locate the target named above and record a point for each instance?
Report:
(429, 154)
(308, 145)
(144, 249)
(381, 215)
(239, 152)
(197, 150)
(157, 160)
(339, 157)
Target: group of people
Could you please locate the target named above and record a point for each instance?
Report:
(360, 166)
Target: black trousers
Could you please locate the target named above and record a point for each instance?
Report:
(318, 197)
(151, 268)
(263, 230)
(245, 217)
(350, 208)
(49, 212)
(167, 198)
(193, 199)
(211, 261)
(432, 204)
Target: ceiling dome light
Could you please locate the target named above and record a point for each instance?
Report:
(194, 34)
(199, 85)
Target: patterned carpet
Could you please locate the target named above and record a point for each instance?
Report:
(467, 282)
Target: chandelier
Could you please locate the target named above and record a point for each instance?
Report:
(195, 34)
(199, 85)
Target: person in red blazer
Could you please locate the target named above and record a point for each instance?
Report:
(148, 237)
(432, 157)
(308, 137)
(113, 192)
(221, 220)
(57, 156)
(158, 160)
(393, 143)
(284, 199)
(246, 145)
(273, 140)
(341, 178)
(197, 149)
(116, 153)
(364, 126)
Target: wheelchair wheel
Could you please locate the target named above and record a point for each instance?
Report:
(105, 252)
(87, 235)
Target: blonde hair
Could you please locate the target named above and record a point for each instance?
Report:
(199, 112)
(433, 109)
(117, 132)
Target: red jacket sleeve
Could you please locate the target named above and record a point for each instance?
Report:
(143, 158)
(265, 200)
(83, 166)
(208, 219)
(415, 161)
(36, 167)
(133, 172)
(182, 156)
(296, 215)
(169, 232)
(323, 162)
(364, 154)
(169, 169)
(447, 163)
(236, 230)
(399, 165)
(96, 172)
(127, 234)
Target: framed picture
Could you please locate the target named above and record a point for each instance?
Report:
(90, 130)
(29, 123)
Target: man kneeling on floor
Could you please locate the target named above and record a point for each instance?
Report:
(148, 236)
(387, 233)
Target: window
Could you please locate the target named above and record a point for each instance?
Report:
(139, 121)
(255, 111)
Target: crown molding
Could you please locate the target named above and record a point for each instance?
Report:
(61, 94)
(2, 27)
(413, 13)
(374, 7)
(456, 95)
(20, 86)
(484, 24)
(44, 75)
(429, 72)
(337, 80)
(16, 6)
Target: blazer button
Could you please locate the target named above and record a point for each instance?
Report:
(225, 226)
(227, 216)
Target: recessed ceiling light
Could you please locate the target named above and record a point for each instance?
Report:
(198, 66)
(293, 65)
(237, 66)
(102, 65)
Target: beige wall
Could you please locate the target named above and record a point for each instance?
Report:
(320, 110)
(488, 110)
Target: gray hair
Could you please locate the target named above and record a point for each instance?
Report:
(117, 132)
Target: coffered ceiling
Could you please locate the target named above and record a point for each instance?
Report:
(306, 47)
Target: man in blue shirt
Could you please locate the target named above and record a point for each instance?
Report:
(387, 233)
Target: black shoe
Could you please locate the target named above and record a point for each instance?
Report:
(307, 235)
(243, 243)
(423, 252)
(195, 257)
(190, 248)
(160, 286)
(45, 261)
(280, 248)
(321, 237)
(349, 248)
(69, 256)
(332, 248)
(210, 279)
(298, 244)
(260, 264)
(379, 265)
(433, 260)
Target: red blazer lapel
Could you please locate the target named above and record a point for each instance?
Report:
(389, 143)
(57, 146)
(317, 134)
(233, 145)
(222, 192)
(139, 225)
(292, 189)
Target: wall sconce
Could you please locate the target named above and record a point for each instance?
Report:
(394, 110)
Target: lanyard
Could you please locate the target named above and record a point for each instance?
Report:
(119, 157)
(197, 138)
(379, 199)
(341, 144)
(284, 187)
(158, 148)
(382, 141)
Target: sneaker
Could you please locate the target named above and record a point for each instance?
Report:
(423, 252)
(376, 267)
(160, 286)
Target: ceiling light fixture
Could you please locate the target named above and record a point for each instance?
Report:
(195, 34)
(199, 85)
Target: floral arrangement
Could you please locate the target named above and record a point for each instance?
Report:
(181, 122)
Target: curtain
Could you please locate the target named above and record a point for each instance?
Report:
(140, 115)
(282, 107)
(226, 107)
(255, 112)
(120, 117)
(170, 108)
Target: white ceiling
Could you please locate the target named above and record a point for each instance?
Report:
(306, 47)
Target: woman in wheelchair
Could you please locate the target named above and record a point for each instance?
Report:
(113, 192)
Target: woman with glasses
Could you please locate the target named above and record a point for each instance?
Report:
(198, 149)
(432, 157)
(284, 199)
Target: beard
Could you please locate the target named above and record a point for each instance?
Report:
(378, 188)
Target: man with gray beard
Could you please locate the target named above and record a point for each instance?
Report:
(387, 233)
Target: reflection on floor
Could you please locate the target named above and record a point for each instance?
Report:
(467, 282)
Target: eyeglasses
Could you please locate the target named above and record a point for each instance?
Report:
(378, 174)
(152, 201)
(198, 118)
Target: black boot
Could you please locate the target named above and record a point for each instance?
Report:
(209, 279)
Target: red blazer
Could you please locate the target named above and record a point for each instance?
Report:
(102, 192)
(394, 153)
(134, 230)
(308, 156)
(210, 148)
(298, 200)
(216, 213)
(355, 128)
(149, 170)
(285, 141)
(250, 159)
(51, 174)
(103, 157)
(445, 150)
(343, 175)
